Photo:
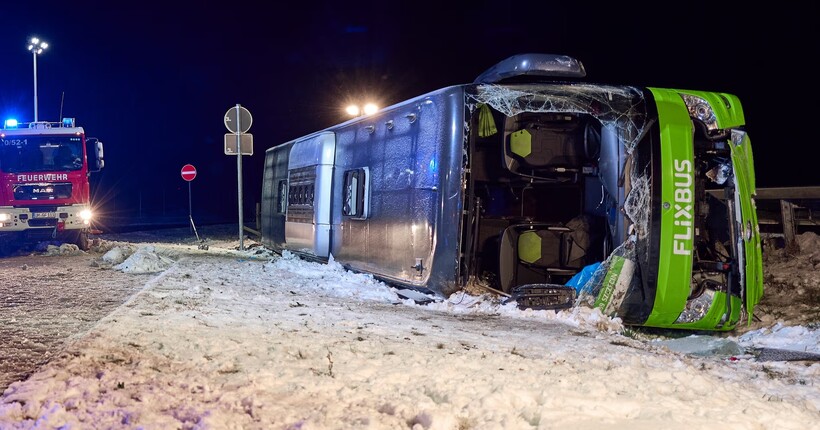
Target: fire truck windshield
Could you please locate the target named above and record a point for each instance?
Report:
(40, 153)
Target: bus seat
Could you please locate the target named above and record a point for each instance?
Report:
(544, 145)
(535, 253)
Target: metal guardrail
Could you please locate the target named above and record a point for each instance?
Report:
(253, 232)
(792, 209)
(799, 207)
(788, 193)
(256, 232)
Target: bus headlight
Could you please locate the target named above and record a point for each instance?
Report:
(700, 109)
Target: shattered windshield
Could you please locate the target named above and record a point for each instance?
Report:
(40, 153)
(625, 121)
(619, 107)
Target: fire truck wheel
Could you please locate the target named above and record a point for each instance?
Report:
(8, 246)
(82, 241)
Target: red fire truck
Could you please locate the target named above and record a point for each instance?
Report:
(44, 186)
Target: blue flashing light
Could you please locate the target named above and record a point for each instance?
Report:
(11, 123)
(68, 122)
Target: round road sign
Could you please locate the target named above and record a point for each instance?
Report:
(238, 114)
(188, 172)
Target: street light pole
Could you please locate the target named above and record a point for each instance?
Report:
(36, 46)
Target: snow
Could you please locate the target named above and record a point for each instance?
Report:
(225, 339)
(143, 260)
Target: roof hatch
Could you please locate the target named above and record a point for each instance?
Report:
(535, 65)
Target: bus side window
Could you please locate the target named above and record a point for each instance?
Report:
(355, 199)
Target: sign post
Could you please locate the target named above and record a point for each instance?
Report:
(188, 173)
(238, 121)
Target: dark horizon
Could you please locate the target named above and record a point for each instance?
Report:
(153, 81)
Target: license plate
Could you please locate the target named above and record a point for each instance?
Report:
(44, 214)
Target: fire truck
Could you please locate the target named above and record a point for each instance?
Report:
(44, 183)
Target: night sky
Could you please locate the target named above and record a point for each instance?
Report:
(153, 80)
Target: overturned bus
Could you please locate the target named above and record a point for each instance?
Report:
(536, 185)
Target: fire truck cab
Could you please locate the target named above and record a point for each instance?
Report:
(44, 183)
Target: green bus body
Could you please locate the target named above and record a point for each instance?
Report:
(675, 267)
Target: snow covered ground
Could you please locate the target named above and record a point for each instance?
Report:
(228, 339)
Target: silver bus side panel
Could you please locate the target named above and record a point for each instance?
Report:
(413, 155)
(310, 171)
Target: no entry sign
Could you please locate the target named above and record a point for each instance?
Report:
(188, 172)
